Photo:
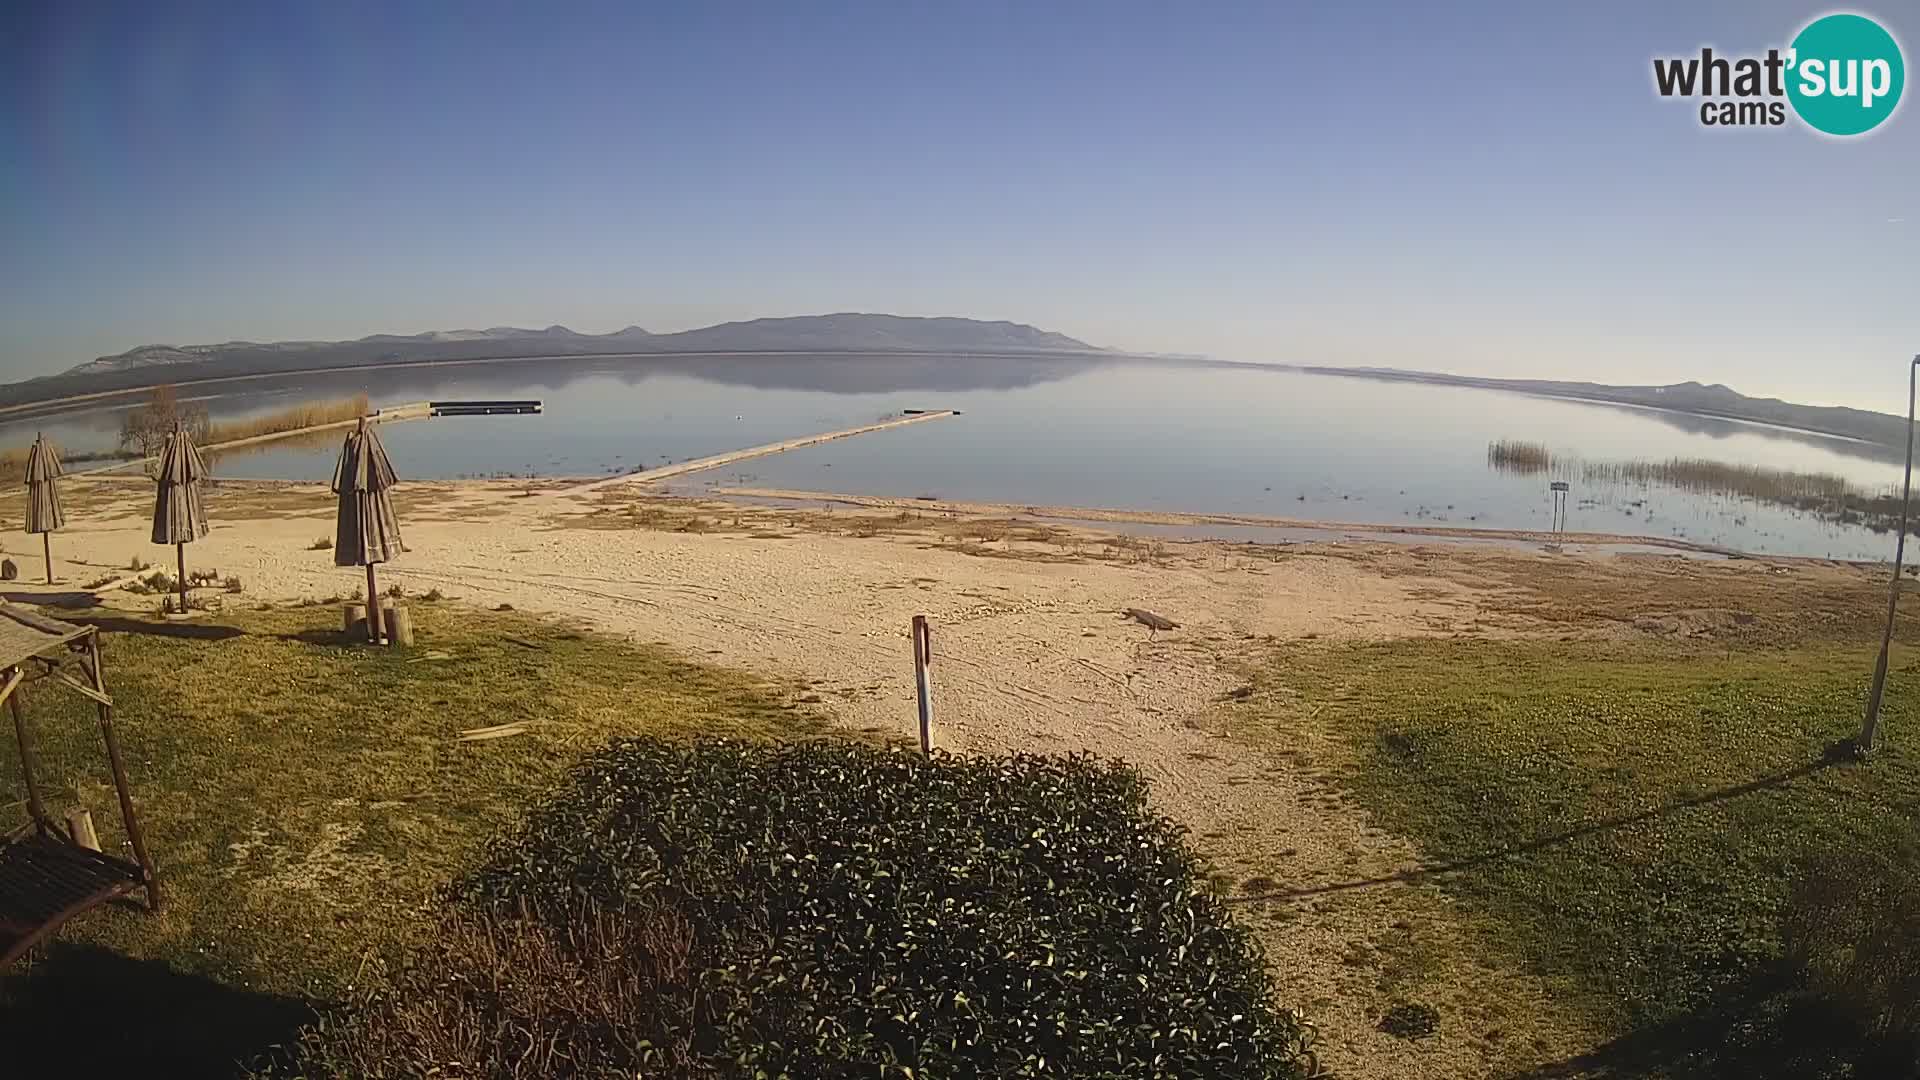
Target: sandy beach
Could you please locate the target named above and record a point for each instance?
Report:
(1032, 651)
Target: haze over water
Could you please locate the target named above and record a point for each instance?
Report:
(1161, 436)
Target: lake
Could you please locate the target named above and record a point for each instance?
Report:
(1159, 435)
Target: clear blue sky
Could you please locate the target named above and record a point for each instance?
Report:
(1488, 188)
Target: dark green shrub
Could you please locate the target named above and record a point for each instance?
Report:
(856, 912)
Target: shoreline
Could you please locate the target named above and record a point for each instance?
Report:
(1087, 518)
(1324, 530)
(1083, 518)
(1111, 515)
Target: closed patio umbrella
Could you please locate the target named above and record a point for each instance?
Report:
(366, 532)
(179, 518)
(44, 514)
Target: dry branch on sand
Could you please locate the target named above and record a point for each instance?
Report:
(1150, 620)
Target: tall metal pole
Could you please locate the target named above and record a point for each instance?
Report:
(1870, 728)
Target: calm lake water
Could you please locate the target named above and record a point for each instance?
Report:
(1140, 435)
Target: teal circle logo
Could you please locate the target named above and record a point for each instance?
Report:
(1845, 74)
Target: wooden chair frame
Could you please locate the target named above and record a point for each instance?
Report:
(46, 875)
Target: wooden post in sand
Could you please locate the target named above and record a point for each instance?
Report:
(373, 608)
(353, 619)
(922, 680)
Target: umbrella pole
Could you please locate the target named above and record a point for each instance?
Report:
(373, 608)
(46, 544)
(180, 554)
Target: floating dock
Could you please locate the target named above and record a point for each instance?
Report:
(516, 407)
(668, 472)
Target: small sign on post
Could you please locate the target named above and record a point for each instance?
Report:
(922, 680)
(1559, 489)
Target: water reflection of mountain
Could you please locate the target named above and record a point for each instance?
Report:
(1891, 451)
(1716, 428)
(845, 374)
(868, 374)
(1689, 399)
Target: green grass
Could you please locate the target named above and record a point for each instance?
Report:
(1619, 819)
(304, 797)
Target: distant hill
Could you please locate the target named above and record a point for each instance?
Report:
(148, 365)
(1688, 397)
(372, 349)
(872, 333)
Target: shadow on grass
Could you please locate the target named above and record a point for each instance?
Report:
(323, 636)
(81, 1010)
(72, 600)
(1835, 755)
(192, 631)
(1760, 1030)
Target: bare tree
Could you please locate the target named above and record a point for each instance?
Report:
(144, 428)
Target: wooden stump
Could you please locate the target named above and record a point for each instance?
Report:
(355, 620)
(80, 825)
(399, 626)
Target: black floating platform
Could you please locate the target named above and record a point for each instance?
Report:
(484, 408)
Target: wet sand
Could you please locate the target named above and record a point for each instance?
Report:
(1317, 529)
